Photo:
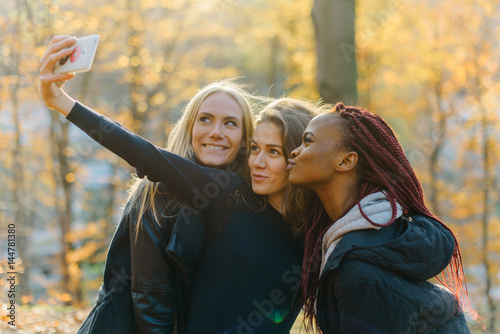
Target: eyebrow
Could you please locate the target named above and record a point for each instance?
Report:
(211, 115)
(307, 133)
(267, 145)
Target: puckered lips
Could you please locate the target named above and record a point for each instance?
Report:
(291, 164)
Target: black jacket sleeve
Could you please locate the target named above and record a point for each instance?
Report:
(152, 283)
(198, 186)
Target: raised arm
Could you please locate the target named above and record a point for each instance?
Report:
(196, 184)
(199, 186)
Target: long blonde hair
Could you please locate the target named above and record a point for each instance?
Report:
(291, 116)
(145, 195)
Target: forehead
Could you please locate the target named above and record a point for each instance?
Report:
(326, 128)
(323, 122)
(267, 133)
(221, 105)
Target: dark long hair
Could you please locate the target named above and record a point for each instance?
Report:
(382, 166)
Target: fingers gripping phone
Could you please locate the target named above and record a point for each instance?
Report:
(82, 57)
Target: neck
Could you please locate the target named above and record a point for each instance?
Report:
(276, 201)
(337, 198)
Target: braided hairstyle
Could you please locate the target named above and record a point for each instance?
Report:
(382, 165)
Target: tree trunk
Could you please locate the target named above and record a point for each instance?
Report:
(438, 136)
(335, 46)
(64, 203)
(273, 66)
(23, 226)
(19, 196)
(136, 87)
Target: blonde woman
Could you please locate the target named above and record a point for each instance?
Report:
(158, 246)
(150, 264)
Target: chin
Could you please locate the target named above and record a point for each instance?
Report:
(258, 190)
(214, 162)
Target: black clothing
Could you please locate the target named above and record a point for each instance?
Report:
(113, 310)
(163, 258)
(132, 299)
(375, 281)
(249, 273)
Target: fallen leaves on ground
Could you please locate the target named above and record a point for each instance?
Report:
(43, 319)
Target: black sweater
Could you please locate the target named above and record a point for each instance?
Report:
(250, 269)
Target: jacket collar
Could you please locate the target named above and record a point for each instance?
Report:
(376, 207)
(416, 246)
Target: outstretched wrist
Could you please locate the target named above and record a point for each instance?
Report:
(63, 104)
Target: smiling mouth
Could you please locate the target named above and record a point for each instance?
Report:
(215, 147)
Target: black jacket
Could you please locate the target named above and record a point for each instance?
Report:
(163, 260)
(113, 309)
(375, 281)
(147, 279)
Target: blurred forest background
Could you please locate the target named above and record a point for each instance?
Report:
(430, 67)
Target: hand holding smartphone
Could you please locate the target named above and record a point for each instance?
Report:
(81, 58)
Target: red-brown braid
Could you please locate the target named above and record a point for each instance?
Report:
(383, 167)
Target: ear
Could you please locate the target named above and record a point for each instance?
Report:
(347, 162)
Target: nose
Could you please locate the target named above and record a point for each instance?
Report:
(216, 131)
(296, 152)
(259, 161)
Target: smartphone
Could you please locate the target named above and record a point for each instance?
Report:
(82, 57)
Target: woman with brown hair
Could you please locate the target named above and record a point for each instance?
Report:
(371, 243)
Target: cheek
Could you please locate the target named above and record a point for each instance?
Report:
(280, 172)
(311, 159)
(195, 135)
(235, 141)
(306, 168)
(316, 169)
(251, 159)
(237, 137)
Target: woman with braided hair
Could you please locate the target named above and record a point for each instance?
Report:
(371, 243)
